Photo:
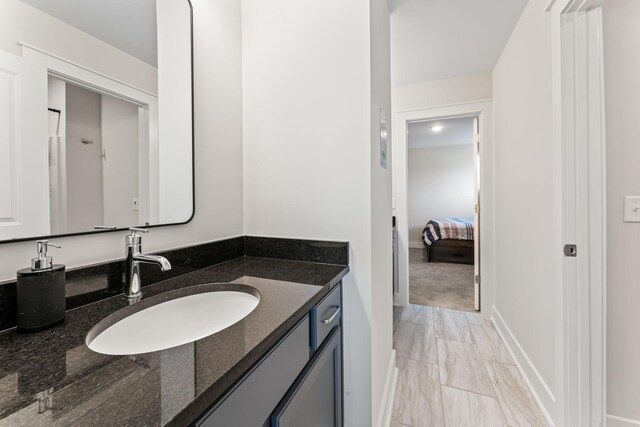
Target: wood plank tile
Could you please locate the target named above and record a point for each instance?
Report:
(489, 343)
(396, 423)
(463, 408)
(485, 411)
(455, 405)
(418, 401)
(517, 403)
(415, 313)
(416, 341)
(461, 367)
(474, 318)
(452, 325)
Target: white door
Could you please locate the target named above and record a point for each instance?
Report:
(120, 162)
(24, 163)
(584, 222)
(476, 210)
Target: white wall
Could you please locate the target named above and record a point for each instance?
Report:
(621, 19)
(475, 87)
(299, 76)
(380, 190)
(440, 185)
(24, 23)
(120, 166)
(218, 147)
(528, 212)
(84, 161)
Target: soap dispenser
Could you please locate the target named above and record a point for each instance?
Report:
(41, 292)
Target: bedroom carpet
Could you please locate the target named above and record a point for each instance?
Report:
(439, 284)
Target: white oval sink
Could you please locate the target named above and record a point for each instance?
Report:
(171, 322)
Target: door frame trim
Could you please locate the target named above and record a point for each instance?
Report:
(484, 111)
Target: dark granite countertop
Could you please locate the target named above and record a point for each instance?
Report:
(53, 378)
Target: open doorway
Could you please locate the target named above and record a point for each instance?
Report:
(477, 116)
(442, 200)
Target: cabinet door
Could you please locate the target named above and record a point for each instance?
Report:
(252, 401)
(315, 399)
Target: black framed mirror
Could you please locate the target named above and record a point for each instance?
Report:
(96, 112)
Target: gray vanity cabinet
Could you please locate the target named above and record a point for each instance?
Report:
(297, 384)
(315, 399)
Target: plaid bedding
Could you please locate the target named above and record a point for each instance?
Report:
(447, 228)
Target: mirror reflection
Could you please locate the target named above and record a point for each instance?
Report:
(95, 115)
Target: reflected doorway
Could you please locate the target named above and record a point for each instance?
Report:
(95, 143)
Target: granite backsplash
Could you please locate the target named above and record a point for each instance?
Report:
(88, 284)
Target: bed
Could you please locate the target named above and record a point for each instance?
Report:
(449, 240)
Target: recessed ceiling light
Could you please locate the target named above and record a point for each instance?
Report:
(436, 128)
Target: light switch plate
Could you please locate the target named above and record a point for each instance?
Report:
(631, 208)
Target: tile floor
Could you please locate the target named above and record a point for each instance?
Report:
(454, 370)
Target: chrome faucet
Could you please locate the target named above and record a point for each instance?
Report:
(133, 247)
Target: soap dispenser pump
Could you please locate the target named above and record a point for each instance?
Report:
(41, 300)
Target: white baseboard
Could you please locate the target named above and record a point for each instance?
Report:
(416, 245)
(538, 387)
(386, 409)
(615, 421)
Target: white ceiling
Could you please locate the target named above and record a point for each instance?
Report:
(458, 131)
(438, 39)
(127, 25)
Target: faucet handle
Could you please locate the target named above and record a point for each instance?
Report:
(135, 239)
(135, 230)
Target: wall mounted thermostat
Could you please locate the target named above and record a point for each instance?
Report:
(631, 208)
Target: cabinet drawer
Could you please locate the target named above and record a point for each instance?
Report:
(325, 316)
(253, 400)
